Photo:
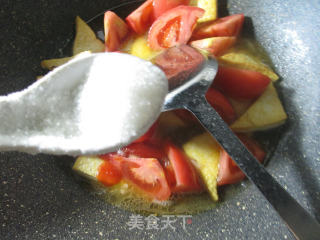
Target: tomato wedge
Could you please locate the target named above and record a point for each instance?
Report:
(141, 18)
(170, 174)
(179, 62)
(240, 83)
(173, 27)
(218, 101)
(185, 174)
(229, 172)
(147, 174)
(143, 150)
(215, 45)
(161, 6)
(109, 174)
(112, 158)
(115, 31)
(147, 149)
(221, 104)
(221, 27)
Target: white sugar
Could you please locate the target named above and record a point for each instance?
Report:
(110, 100)
(128, 98)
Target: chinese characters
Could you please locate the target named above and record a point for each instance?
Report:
(152, 222)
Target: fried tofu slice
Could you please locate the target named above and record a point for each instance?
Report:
(205, 152)
(55, 62)
(141, 49)
(240, 106)
(265, 113)
(210, 7)
(246, 61)
(247, 54)
(85, 39)
(88, 166)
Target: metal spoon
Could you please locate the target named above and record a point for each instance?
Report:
(190, 95)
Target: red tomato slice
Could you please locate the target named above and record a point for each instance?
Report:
(109, 174)
(240, 83)
(149, 150)
(215, 45)
(147, 174)
(218, 101)
(185, 174)
(173, 27)
(229, 172)
(170, 174)
(221, 27)
(112, 158)
(221, 104)
(141, 18)
(143, 150)
(161, 6)
(115, 31)
(179, 62)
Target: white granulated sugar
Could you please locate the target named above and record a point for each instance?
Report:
(128, 98)
(109, 101)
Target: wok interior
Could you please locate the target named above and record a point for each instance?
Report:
(41, 199)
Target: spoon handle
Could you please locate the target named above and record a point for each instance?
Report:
(299, 221)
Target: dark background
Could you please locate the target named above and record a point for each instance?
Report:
(40, 198)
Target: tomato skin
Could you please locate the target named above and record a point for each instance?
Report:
(218, 101)
(109, 174)
(161, 6)
(229, 172)
(169, 172)
(221, 104)
(222, 27)
(112, 158)
(253, 147)
(185, 174)
(115, 30)
(216, 46)
(143, 150)
(149, 149)
(173, 27)
(179, 62)
(141, 18)
(240, 83)
(147, 174)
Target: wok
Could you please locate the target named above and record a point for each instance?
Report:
(40, 198)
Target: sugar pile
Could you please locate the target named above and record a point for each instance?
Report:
(92, 105)
(130, 97)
